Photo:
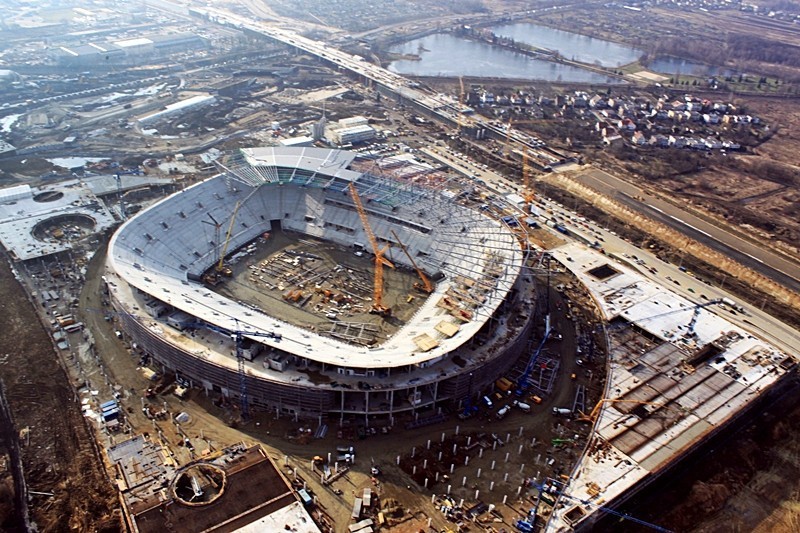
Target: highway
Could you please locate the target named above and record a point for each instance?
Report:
(647, 264)
(673, 278)
(758, 259)
(445, 107)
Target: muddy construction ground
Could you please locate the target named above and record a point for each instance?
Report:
(58, 452)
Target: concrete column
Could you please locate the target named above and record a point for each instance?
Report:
(442, 436)
(479, 473)
(491, 486)
(492, 464)
(464, 481)
(429, 444)
(521, 467)
(507, 454)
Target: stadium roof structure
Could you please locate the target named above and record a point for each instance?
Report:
(23, 209)
(163, 251)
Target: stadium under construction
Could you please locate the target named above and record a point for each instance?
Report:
(468, 326)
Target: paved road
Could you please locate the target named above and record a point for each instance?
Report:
(759, 259)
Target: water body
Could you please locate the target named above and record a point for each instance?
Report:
(673, 65)
(443, 54)
(570, 45)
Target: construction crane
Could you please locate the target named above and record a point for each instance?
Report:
(460, 113)
(220, 248)
(425, 286)
(238, 336)
(527, 190)
(591, 417)
(221, 267)
(380, 260)
(217, 230)
(522, 383)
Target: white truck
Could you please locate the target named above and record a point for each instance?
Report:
(561, 411)
(524, 407)
(503, 412)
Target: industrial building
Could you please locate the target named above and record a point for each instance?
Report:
(126, 51)
(235, 489)
(432, 360)
(350, 130)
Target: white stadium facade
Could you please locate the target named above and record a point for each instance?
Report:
(474, 325)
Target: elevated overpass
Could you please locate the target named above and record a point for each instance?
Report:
(442, 107)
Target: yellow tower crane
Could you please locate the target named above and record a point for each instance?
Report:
(221, 267)
(460, 113)
(380, 260)
(426, 286)
(527, 189)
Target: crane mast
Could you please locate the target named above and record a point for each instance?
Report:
(221, 268)
(380, 260)
(426, 286)
(527, 190)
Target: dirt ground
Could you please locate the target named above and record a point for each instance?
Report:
(265, 280)
(58, 451)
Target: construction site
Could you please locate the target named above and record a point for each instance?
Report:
(325, 288)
